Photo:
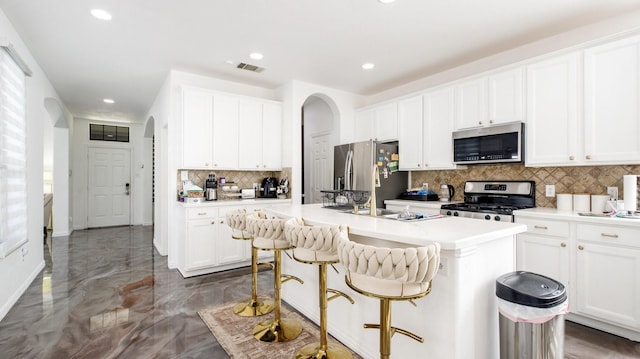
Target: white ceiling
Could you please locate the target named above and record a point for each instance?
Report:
(318, 41)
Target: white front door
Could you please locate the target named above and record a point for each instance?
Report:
(321, 165)
(109, 187)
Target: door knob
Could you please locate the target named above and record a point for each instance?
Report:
(127, 188)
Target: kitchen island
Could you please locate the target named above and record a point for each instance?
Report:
(458, 319)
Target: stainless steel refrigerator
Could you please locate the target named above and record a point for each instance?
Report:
(353, 169)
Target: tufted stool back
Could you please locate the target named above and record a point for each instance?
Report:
(237, 221)
(313, 244)
(389, 272)
(268, 233)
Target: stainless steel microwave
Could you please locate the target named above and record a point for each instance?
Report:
(494, 144)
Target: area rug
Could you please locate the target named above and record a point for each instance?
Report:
(234, 333)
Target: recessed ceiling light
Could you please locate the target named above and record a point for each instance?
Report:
(230, 62)
(108, 100)
(256, 56)
(101, 14)
(368, 66)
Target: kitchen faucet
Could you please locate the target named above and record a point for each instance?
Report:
(375, 182)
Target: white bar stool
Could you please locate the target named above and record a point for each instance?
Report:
(318, 245)
(389, 274)
(253, 306)
(268, 235)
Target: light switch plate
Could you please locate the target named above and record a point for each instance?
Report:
(613, 193)
(550, 190)
(184, 175)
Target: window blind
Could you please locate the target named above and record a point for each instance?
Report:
(13, 188)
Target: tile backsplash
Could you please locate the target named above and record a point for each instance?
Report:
(584, 179)
(243, 179)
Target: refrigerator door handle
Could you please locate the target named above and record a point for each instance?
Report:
(347, 170)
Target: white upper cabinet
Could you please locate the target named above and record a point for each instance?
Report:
(379, 123)
(471, 103)
(410, 134)
(196, 129)
(385, 118)
(225, 132)
(222, 131)
(250, 144)
(438, 124)
(364, 125)
(552, 129)
(260, 146)
(490, 100)
(612, 98)
(271, 136)
(505, 97)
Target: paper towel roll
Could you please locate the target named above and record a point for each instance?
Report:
(582, 202)
(599, 203)
(630, 183)
(565, 201)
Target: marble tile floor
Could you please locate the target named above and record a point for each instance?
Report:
(106, 293)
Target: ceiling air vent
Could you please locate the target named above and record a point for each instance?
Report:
(250, 67)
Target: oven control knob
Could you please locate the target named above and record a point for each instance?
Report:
(456, 214)
(487, 217)
(497, 218)
(448, 213)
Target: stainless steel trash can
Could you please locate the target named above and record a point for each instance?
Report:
(531, 319)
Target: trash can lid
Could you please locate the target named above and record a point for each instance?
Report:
(530, 289)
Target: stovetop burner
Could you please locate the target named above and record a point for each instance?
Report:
(492, 200)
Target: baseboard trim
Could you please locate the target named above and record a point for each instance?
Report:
(23, 288)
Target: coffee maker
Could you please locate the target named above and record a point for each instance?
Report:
(269, 188)
(211, 188)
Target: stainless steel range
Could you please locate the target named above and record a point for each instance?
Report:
(493, 200)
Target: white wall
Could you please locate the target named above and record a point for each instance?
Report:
(293, 95)
(21, 267)
(81, 143)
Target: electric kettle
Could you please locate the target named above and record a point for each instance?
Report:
(446, 192)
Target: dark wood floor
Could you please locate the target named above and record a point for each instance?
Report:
(105, 293)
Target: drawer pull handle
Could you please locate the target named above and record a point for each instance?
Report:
(580, 247)
(202, 213)
(563, 244)
(540, 227)
(609, 235)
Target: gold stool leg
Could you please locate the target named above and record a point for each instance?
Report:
(279, 329)
(323, 350)
(385, 328)
(254, 306)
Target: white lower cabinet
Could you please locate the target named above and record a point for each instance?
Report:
(608, 274)
(598, 263)
(208, 246)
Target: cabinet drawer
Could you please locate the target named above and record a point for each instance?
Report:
(545, 226)
(624, 236)
(200, 213)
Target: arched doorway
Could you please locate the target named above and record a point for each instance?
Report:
(319, 133)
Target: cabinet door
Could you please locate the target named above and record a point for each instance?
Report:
(196, 129)
(552, 118)
(271, 136)
(607, 280)
(200, 245)
(225, 132)
(385, 118)
(471, 108)
(612, 93)
(548, 256)
(505, 97)
(364, 125)
(250, 139)
(228, 250)
(410, 133)
(438, 125)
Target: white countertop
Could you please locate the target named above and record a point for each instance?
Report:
(452, 233)
(553, 213)
(235, 202)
